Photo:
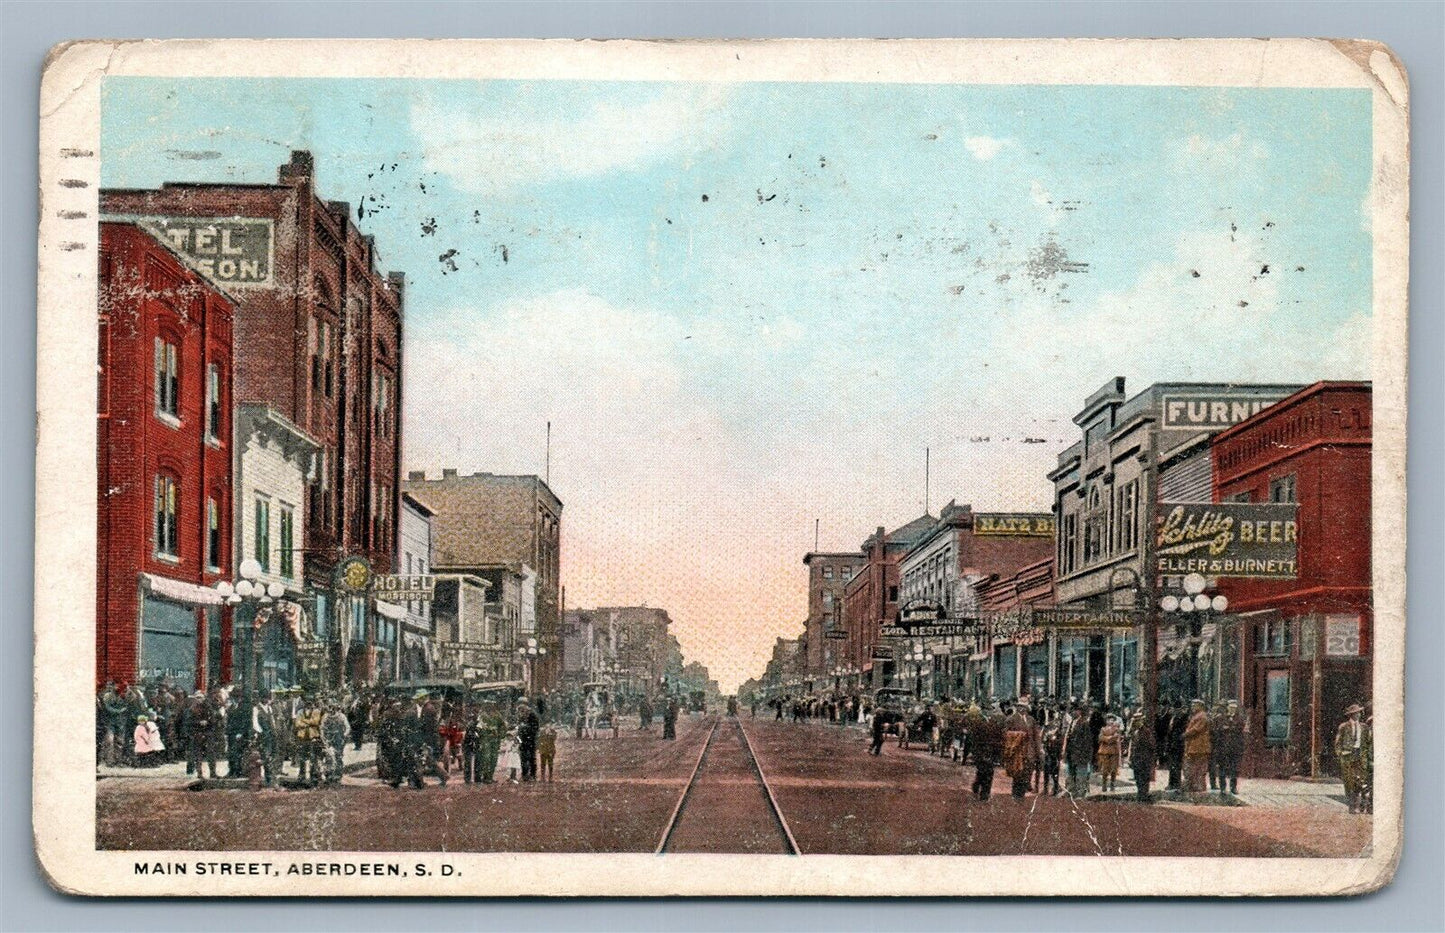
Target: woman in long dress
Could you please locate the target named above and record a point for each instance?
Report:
(511, 756)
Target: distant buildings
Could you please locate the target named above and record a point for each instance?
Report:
(631, 648)
(505, 530)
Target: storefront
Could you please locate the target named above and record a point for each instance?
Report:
(176, 621)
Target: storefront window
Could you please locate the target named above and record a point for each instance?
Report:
(1276, 707)
(323, 617)
(1124, 670)
(1006, 678)
(1036, 670)
(1272, 638)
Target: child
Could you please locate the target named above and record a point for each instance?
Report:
(511, 757)
(148, 744)
(547, 751)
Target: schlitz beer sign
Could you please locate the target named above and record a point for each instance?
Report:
(1229, 539)
(1213, 412)
(232, 252)
(1014, 524)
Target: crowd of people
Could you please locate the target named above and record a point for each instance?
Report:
(1054, 746)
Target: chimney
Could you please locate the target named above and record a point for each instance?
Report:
(416, 476)
(299, 170)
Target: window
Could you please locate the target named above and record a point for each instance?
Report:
(326, 366)
(213, 401)
(827, 573)
(213, 534)
(165, 509)
(893, 594)
(1276, 707)
(1245, 496)
(827, 597)
(1128, 515)
(168, 382)
(262, 539)
(1273, 638)
(845, 573)
(1282, 489)
(288, 538)
(1068, 543)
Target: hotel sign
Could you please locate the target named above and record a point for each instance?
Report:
(403, 586)
(1230, 539)
(231, 252)
(1213, 412)
(1014, 524)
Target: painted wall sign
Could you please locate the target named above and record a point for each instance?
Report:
(1230, 539)
(230, 251)
(1213, 412)
(1014, 524)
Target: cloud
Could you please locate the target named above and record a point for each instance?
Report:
(492, 153)
(1216, 153)
(984, 148)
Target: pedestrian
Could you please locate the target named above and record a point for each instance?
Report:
(1020, 738)
(547, 751)
(1216, 744)
(511, 755)
(335, 729)
(1142, 755)
(148, 743)
(528, 725)
(1174, 749)
(878, 729)
(238, 735)
(198, 728)
(306, 729)
(669, 719)
(1053, 742)
(1078, 753)
(391, 745)
(987, 741)
(263, 739)
(1229, 747)
(1196, 748)
(1111, 750)
(1353, 752)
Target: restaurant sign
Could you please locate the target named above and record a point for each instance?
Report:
(951, 628)
(920, 612)
(230, 251)
(1229, 539)
(1014, 524)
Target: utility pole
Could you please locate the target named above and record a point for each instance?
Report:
(926, 479)
(547, 469)
(815, 534)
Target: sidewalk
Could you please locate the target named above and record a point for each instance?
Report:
(174, 772)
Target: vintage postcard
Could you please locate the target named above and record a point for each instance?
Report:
(721, 468)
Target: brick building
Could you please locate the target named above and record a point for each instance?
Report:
(824, 638)
(870, 599)
(496, 526)
(1303, 646)
(165, 464)
(1016, 658)
(318, 338)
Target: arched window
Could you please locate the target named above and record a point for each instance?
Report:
(167, 506)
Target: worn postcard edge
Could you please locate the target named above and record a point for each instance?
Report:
(65, 521)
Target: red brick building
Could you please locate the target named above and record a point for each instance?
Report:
(823, 635)
(1020, 655)
(164, 460)
(318, 338)
(871, 597)
(1304, 645)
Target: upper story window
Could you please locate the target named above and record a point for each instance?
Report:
(214, 404)
(322, 369)
(1282, 489)
(167, 495)
(827, 573)
(1246, 496)
(167, 379)
(288, 542)
(262, 534)
(213, 534)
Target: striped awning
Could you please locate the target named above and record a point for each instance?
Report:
(180, 591)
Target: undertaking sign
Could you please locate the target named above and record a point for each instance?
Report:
(1229, 539)
(403, 586)
(1087, 620)
(230, 251)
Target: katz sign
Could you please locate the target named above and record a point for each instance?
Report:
(1014, 524)
(1230, 539)
(231, 252)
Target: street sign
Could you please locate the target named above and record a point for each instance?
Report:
(1230, 539)
(403, 586)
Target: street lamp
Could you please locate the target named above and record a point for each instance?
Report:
(1193, 605)
(918, 654)
(530, 652)
(249, 590)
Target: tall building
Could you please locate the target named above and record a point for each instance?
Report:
(870, 600)
(1299, 650)
(165, 466)
(495, 526)
(1136, 451)
(318, 339)
(825, 639)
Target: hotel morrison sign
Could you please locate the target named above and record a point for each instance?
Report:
(230, 251)
(1229, 539)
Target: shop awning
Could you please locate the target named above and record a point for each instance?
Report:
(390, 610)
(181, 591)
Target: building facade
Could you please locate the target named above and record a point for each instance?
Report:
(1304, 646)
(825, 639)
(414, 548)
(870, 601)
(318, 338)
(275, 462)
(1134, 452)
(493, 526)
(165, 466)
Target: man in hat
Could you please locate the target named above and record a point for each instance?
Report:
(987, 740)
(1229, 747)
(1020, 747)
(335, 729)
(1196, 747)
(1079, 752)
(238, 731)
(1352, 750)
(309, 749)
(1143, 755)
(197, 719)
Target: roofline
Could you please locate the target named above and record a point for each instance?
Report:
(127, 221)
(419, 505)
(1309, 391)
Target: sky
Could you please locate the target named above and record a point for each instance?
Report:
(747, 307)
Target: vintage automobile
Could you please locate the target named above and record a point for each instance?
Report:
(893, 704)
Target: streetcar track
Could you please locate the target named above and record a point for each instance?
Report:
(760, 779)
